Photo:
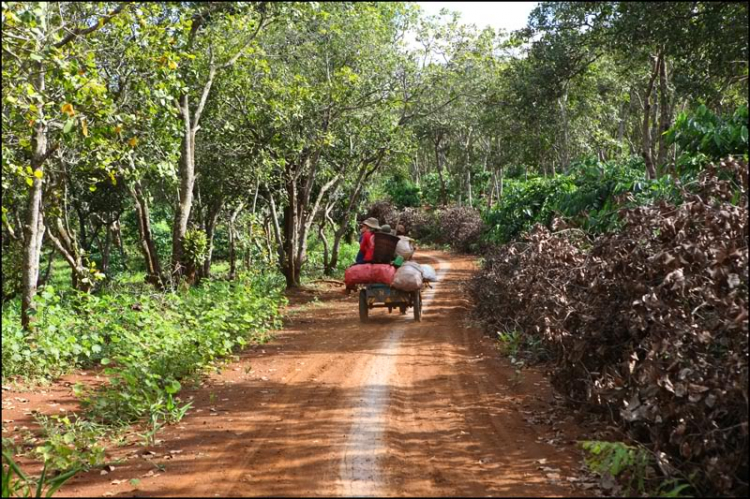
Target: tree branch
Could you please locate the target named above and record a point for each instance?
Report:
(85, 31)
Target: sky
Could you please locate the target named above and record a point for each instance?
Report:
(507, 15)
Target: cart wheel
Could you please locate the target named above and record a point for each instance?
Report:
(363, 305)
(402, 308)
(417, 306)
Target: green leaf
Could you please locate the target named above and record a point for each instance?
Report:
(105, 361)
(173, 387)
(69, 125)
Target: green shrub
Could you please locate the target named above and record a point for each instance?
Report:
(170, 334)
(403, 192)
(16, 483)
(588, 196)
(702, 132)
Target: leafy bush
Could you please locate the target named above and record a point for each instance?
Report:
(12, 262)
(166, 336)
(403, 192)
(195, 245)
(589, 197)
(703, 132)
(524, 204)
(69, 443)
(16, 483)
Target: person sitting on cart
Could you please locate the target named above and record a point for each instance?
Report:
(366, 244)
(367, 240)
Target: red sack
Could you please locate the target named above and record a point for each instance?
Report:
(358, 274)
(369, 273)
(383, 273)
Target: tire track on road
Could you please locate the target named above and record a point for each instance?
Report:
(361, 469)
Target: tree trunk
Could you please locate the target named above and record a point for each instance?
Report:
(665, 117)
(563, 103)
(148, 248)
(307, 218)
(493, 183)
(185, 199)
(233, 240)
(42, 281)
(106, 248)
(647, 142)
(214, 210)
(34, 229)
(67, 244)
(624, 115)
(443, 193)
(324, 240)
(117, 232)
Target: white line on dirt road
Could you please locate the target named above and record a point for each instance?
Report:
(364, 448)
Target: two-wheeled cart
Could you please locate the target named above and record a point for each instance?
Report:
(384, 296)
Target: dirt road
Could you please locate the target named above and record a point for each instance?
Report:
(333, 407)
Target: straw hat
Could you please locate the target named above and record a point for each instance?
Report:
(372, 223)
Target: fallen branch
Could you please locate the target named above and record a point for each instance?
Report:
(332, 281)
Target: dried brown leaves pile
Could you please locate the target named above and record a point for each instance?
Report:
(648, 325)
(459, 226)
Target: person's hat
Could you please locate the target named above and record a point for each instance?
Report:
(372, 223)
(385, 228)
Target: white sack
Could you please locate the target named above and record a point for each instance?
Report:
(408, 278)
(428, 273)
(405, 249)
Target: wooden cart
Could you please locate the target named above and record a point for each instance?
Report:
(382, 295)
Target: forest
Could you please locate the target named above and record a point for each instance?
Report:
(172, 172)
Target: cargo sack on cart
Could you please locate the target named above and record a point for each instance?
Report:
(369, 273)
(408, 277)
(428, 273)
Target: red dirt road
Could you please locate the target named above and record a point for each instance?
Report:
(333, 407)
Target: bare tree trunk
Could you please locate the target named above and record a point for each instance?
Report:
(624, 114)
(148, 248)
(309, 218)
(324, 240)
(34, 229)
(665, 118)
(117, 232)
(67, 245)
(647, 143)
(443, 193)
(233, 240)
(45, 279)
(563, 103)
(106, 248)
(185, 199)
(214, 210)
(493, 183)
